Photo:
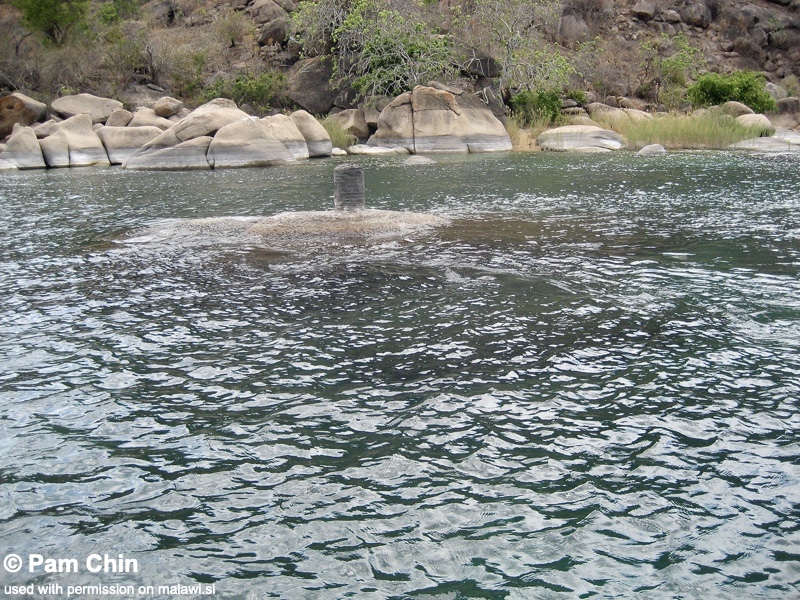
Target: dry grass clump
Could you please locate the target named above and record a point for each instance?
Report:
(340, 137)
(705, 130)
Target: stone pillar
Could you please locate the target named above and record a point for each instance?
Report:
(348, 183)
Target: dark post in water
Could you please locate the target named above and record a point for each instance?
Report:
(348, 183)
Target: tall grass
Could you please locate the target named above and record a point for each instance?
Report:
(340, 137)
(523, 136)
(707, 131)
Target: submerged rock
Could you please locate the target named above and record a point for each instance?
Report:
(418, 160)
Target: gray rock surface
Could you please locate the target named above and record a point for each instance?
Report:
(122, 142)
(580, 138)
(188, 155)
(246, 143)
(85, 147)
(317, 139)
(19, 108)
(99, 109)
(652, 150)
(23, 149)
(428, 119)
(284, 129)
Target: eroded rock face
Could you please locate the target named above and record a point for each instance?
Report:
(310, 84)
(317, 139)
(283, 129)
(85, 147)
(99, 109)
(122, 142)
(23, 149)
(19, 108)
(188, 155)
(246, 143)
(430, 119)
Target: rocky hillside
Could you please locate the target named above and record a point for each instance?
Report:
(198, 49)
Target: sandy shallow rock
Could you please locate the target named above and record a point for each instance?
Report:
(291, 230)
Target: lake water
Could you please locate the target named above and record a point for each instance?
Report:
(586, 386)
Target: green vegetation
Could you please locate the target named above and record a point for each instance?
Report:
(382, 50)
(742, 86)
(711, 130)
(260, 91)
(386, 54)
(537, 106)
(340, 137)
(54, 18)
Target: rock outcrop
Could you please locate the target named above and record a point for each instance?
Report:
(147, 117)
(431, 119)
(317, 139)
(756, 121)
(23, 149)
(283, 129)
(85, 147)
(122, 142)
(99, 109)
(246, 143)
(580, 138)
(784, 140)
(18, 108)
(353, 121)
(309, 84)
(652, 150)
(189, 155)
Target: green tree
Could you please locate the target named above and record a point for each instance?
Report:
(514, 33)
(385, 53)
(53, 18)
(383, 46)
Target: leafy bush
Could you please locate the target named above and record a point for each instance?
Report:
(116, 11)
(260, 91)
(53, 18)
(742, 86)
(531, 106)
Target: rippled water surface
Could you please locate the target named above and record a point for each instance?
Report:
(586, 386)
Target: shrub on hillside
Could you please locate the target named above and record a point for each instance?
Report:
(742, 86)
(532, 106)
(260, 91)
